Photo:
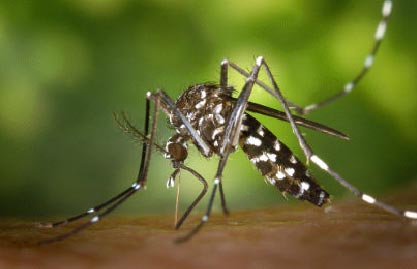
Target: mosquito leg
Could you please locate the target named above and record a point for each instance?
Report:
(365, 197)
(224, 66)
(120, 198)
(197, 200)
(145, 145)
(204, 219)
(145, 162)
(171, 179)
(206, 216)
(233, 128)
(90, 211)
(93, 220)
(225, 210)
(97, 208)
(348, 87)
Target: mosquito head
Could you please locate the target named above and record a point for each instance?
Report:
(177, 150)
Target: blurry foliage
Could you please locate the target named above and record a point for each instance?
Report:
(66, 65)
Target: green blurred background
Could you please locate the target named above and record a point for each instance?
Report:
(65, 66)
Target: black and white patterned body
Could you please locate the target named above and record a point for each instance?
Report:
(277, 163)
(208, 111)
(208, 116)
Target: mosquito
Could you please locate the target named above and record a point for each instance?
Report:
(208, 116)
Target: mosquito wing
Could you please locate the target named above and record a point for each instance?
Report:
(261, 109)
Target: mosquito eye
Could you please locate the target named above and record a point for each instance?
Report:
(177, 151)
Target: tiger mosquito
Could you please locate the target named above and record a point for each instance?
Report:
(208, 116)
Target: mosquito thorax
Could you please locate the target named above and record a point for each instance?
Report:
(207, 110)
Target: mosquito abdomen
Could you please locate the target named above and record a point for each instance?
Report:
(277, 163)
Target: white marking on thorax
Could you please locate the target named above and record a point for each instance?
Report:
(189, 116)
(244, 127)
(218, 108)
(290, 171)
(216, 132)
(200, 104)
(219, 118)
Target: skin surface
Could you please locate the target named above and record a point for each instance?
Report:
(350, 233)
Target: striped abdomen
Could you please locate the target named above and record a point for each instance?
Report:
(277, 163)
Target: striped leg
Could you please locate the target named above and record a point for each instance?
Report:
(348, 87)
(200, 178)
(365, 197)
(369, 60)
(107, 207)
(223, 83)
